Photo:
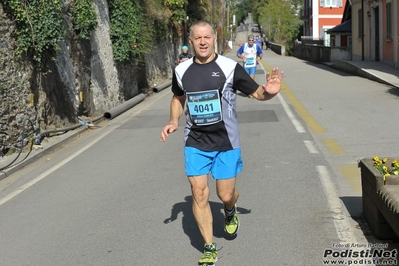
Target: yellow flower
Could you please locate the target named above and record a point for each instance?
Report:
(377, 160)
(384, 169)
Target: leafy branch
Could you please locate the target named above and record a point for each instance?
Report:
(177, 9)
(129, 40)
(84, 20)
(38, 28)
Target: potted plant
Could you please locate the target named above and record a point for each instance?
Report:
(378, 176)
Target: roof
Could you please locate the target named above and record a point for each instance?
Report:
(341, 28)
(347, 11)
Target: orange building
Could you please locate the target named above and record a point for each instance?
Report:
(320, 15)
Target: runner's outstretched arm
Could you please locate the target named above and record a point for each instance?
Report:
(272, 86)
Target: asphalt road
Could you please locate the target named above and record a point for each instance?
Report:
(118, 196)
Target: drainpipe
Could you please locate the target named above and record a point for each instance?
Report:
(162, 86)
(114, 112)
(41, 135)
(362, 30)
(107, 115)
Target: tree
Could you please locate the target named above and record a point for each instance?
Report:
(244, 7)
(279, 21)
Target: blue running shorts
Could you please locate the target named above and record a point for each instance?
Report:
(222, 164)
(251, 70)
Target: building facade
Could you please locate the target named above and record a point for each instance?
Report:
(375, 31)
(320, 15)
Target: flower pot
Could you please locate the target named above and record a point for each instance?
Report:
(376, 209)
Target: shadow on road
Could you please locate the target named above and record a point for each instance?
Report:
(393, 91)
(190, 227)
(353, 204)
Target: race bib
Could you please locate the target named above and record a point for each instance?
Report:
(204, 107)
(250, 62)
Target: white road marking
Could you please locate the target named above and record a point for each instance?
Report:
(309, 144)
(54, 168)
(342, 225)
(140, 107)
(298, 126)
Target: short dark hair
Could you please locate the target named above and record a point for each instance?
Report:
(203, 23)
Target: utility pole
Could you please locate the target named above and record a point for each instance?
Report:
(228, 15)
(185, 25)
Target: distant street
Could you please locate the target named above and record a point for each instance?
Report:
(118, 196)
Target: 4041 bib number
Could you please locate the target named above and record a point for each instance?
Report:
(204, 107)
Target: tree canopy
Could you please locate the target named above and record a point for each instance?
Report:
(279, 20)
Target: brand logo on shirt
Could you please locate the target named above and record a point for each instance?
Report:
(215, 74)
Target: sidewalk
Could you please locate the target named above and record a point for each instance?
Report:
(372, 70)
(16, 161)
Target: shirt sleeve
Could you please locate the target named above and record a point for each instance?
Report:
(240, 50)
(175, 87)
(259, 50)
(243, 82)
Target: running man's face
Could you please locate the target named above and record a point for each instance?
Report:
(203, 40)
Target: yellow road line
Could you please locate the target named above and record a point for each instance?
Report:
(333, 146)
(351, 173)
(301, 110)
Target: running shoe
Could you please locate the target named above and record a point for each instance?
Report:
(210, 255)
(231, 222)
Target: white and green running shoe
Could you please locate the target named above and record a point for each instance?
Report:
(210, 255)
(231, 222)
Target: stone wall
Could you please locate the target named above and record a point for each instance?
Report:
(84, 81)
(15, 84)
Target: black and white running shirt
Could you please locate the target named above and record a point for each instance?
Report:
(211, 95)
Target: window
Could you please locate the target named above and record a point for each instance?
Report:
(360, 23)
(331, 3)
(389, 21)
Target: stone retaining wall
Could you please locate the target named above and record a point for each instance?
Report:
(83, 81)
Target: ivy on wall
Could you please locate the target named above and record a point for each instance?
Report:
(38, 27)
(158, 17)
(84, 18)
(129, 33)
(177, 9)
(135, 24)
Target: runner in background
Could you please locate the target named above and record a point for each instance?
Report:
(185, 55)
(250, 53)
